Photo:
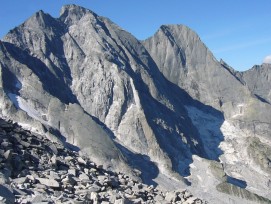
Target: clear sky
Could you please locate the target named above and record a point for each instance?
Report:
(238, 31)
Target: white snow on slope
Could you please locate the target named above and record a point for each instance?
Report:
(208, 126)
(22, 104)
(233, 144)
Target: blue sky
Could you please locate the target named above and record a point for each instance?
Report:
(238, 31)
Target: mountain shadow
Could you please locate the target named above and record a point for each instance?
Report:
(178, 133)
(199, 126)
(53, 82)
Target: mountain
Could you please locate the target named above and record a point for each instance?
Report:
(244, 131)
(258, 80)
(162, 110)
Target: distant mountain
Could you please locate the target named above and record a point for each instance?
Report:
(258, 80)
(164, 107)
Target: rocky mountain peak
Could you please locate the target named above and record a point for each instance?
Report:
(163, 109)
(39, 26)
(258, 80)
(39, 20)
(179, 41)
(179, 29)
(71, 14)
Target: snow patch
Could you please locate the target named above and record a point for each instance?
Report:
(236, 161)
(18, 84)
(233, 145)
(208, 127)
(14, 99)
(22, 104)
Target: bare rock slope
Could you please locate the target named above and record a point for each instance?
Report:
(150, 109)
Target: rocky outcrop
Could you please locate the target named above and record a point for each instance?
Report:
(260, 153)
(240, 192)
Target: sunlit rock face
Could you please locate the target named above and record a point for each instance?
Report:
(148, 108)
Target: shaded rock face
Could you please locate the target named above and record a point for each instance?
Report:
(144, 108)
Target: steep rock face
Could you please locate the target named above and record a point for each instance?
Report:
(36, 91)
(258, 80)
(185, 61)
(81, 73)
(82, 80)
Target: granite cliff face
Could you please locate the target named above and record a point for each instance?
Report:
(162, 108)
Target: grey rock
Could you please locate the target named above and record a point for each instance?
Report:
(159, 198)
(87, 84)
(69, 179)
(25, 144)
(217, 170)
(54, 175)
(69, 158)
(3, 178)
(190, 200)
(20, 180)
(8, 154)
(49, 182)
(187, 62)
(122, 201)
(5, 144)
(89, 190)
(128, 191)
(240, 192)
(32, 177)
(52, 184)
(94, 197)
(38, 199)
(83, 176)
(171, 196)
(7, 194)
(81, 161)
(101, 177)
(260, 153)
(17, 191)
(53, 148)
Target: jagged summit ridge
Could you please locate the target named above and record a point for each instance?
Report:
(162, 108)
(71, 14)
(108, 55)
